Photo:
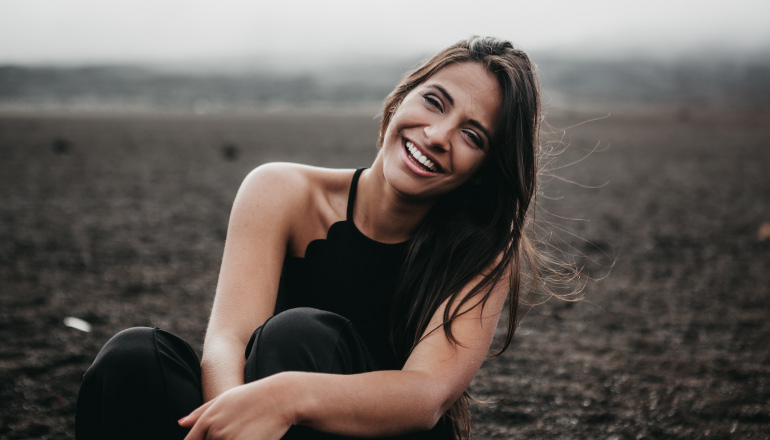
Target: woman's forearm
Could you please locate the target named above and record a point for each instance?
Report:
(221, 366)
(378, 403)
(394, 402)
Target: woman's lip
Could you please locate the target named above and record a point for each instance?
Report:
(420, 171)
(423, 152)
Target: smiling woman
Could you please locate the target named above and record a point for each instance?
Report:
(354, 303)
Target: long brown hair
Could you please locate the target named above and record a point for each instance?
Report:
(479, 225)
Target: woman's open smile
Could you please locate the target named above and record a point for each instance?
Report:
(419, 160)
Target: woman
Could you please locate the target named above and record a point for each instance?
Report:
(374, 293)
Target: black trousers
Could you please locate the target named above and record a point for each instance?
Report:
(145, 379)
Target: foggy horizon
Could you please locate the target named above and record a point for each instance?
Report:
(198, 56)
(311, 63)
(307, 34)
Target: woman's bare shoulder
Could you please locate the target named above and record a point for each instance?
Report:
(292, 186)
(298, 178)
(304, 200)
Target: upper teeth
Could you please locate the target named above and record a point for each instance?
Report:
(420, 157)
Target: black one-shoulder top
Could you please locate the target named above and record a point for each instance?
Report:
(349, 274)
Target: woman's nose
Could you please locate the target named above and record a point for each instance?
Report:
(438, 136)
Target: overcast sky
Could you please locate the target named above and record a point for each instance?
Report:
(75, 31)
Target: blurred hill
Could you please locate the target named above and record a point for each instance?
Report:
(717, 82)
(268, 84)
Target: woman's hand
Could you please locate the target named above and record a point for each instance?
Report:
(251, 411)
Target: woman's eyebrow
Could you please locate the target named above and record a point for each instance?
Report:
(443, 91)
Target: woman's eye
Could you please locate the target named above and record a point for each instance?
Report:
(477, 141)
(433, 101)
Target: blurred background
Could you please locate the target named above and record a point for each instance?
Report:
(127, 127)
(210, 57)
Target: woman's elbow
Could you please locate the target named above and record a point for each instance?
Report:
(430, 418)
(435, 410)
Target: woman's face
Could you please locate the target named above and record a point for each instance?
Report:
(441, 132)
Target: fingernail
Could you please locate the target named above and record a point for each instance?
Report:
(181, 420)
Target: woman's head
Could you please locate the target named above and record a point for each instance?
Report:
(509, 167)
(439, 136)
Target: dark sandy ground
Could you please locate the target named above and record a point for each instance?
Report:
(121, 222)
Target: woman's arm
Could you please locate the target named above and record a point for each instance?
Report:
(412, 399)
(369, 404)
(257, 235)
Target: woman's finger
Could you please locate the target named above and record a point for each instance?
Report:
(193, 417)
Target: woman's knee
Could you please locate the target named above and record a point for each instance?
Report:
(304, 329)
(141, 374)
(128, 353)
(305, 324)
(301, 339)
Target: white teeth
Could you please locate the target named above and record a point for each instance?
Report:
(419, 157)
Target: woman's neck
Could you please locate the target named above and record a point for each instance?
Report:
(382, 214)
